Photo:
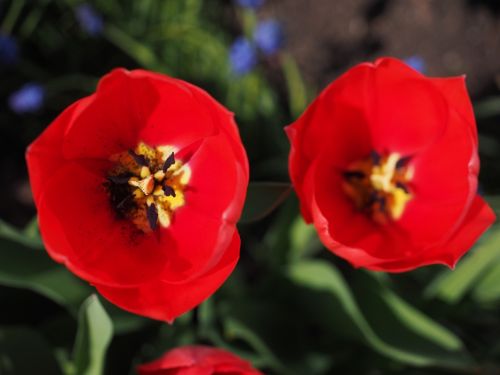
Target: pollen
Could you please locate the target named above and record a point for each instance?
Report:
(379, 185)
(147, 184)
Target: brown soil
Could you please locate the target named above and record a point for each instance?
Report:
(452, 36)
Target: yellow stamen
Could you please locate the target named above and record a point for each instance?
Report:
(160, 184)
(379, 186)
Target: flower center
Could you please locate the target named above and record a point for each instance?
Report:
(146, 185)
(378, 185)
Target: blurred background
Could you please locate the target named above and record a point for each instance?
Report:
(290, 307)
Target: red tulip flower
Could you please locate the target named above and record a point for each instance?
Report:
(138, 189)
(385, 164)
(198, 360)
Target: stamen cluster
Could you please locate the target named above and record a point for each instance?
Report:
(146, 185)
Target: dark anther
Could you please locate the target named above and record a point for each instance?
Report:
(375, 156)
(374, 197)
(382, 201)
(403, 162)
(121, 204)
(119, 180)
(152, 214)
(170, 160)
(354, 174)
(402, 186)
(139, 159)
(169, 191)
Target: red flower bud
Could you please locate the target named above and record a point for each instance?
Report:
(198, 360)
(138, 189)
(385, 163)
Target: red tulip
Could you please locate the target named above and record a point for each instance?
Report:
(385, 164)
(198, 360)
(138, 189)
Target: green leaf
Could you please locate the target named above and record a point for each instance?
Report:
(24, 351)
(123, 321)
(487, 290)
(28, 238)
(95, 331)
(297, 93)
(263, 198)
(377, 317)
(236, 330)
(31, 230)
(451, 286)
(26, 268)
(488, 107)
(304, 239)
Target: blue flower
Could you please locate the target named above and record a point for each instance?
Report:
(269, 37)
(9, 51)
(254, 4)
(242, 56)
(27, 99)
(90, 21)
(417, 63)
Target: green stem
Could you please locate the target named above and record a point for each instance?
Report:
(12, 15)
(141, 54)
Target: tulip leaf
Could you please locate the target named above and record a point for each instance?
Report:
(304, 239)
(24, 351)
(263, 198)
(95, 331)
(488, 107)
(377, 317)
(27, 268)
(451, 286)
(487, 290)
(297, 92)
(29, 237)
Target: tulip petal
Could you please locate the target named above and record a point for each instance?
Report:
(444, 185)
(164, 301)
(111, 121)
(80, 228)
(44, 155)
(214, 189)
(479, 218)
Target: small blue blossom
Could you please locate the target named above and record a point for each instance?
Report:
(9, 50)
(417, 63)
(242, 56)
(29, 98)
(269, 37)
(253, 4)
(89, 19)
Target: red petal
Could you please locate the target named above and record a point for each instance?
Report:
(479, 218)
(225, 121)
(406, 113)
(194, 360)
(112, 120)
(335, 115)
(178, 118)
(444, 185)
(164, 301)
(343, 229)
(199, 242)
(80, 228)
(218, 184)
(44, 155)
(455, 92)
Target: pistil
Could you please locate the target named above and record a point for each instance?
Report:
(378, 185)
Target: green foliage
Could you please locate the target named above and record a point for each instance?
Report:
(262, 199)
(95, 331)
(377, 317)
(24, 351)
(290, 307)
